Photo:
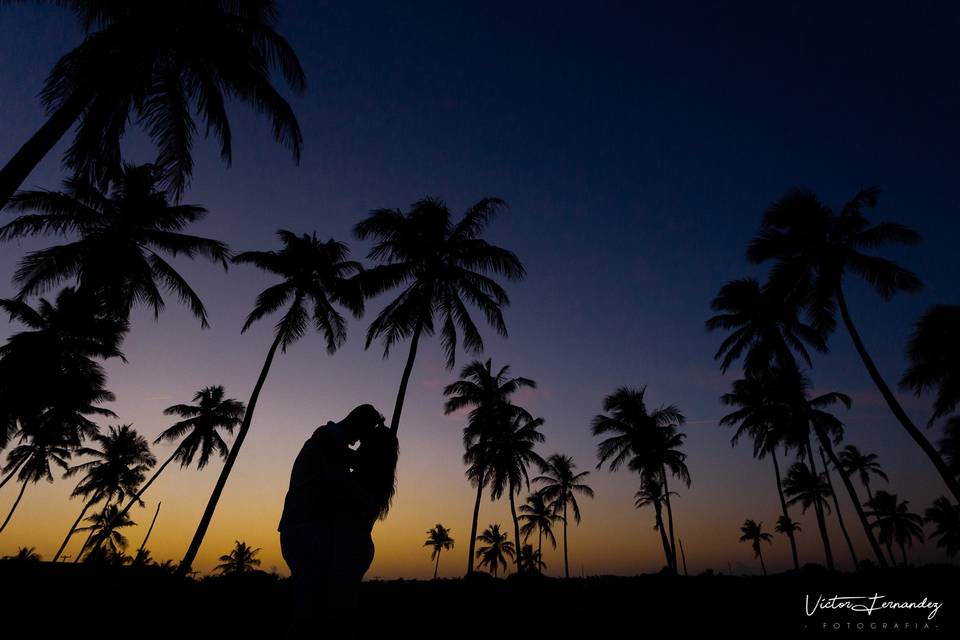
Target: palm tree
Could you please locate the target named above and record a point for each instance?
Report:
(156, 63)
(806, 488)
(649, 443)
(242, 559)
(531, 559)
(950, 445)
(121, 239)
(488, 396)
(315, 276)
(104, 529)
(25, 554)
(934, 352)
(814, 247)
(863, 464)
(538, 515)
(839, 514)
(442, 265)
(561, 486)
(945, 517)
(33, 459)
(494, 549)
(118, 467)
(753, 533)
(651, 494)
(787, 526)
(896, 523)
(438, 538)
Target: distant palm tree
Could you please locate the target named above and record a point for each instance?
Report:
(487, 394)
(106, 538)
(934, 352)
(442, 265)
(242, 559)
(895, 523)
(538, 515)
(863, 464)
(438, 539)
(805, 488)
(647, 442)
(950, 445)
(561, 486)
(155, 63)
(25, 554)
(494, 549)
(837, 512)
(945, 517)
(787, 526)
(814, 248)
(531, 559)
(753, 533)
(316, 276)
(120, 240)
(651, 494)
(33, 458)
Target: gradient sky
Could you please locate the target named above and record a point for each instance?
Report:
(638, 148)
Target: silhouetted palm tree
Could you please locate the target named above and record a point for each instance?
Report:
(33, 458)
(487, 394)
(561, 486)
(531, 559)
(753, 533)
(120, 241)
(814, 248)
(804, 487)
(945, 517)
(896, 522)
(934, 352)
(651, 494)
(25, 554)
(438, 539)
(442, 265)
(242, 559)
(538, 515)
(863, 464)
(648, 442)
(838, 513)
(787, 526)
(950, 445)
(107, 542)
(156, 63)
(315, 276)
(494, 549)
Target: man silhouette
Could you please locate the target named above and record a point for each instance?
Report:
(321, 494)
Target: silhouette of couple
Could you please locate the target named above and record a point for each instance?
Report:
(337, 492)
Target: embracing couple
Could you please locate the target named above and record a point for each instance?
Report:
(338, 490)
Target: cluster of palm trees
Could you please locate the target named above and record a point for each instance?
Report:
(773, 328)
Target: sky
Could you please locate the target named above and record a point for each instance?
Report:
(638, 145)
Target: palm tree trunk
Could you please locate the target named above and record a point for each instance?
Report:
(683, 557)
(786, 514)
(539, 550)
(149, 530)
(658, 514)
(39, 145)
(566, 558)
(76, 523)
(760, 555)
(516, 530)
(136, 497)
(187, 562)
(836, 507)
(818, 509)
(893, 558)
(436, 567)
(23, 487)
(666, 496)
(405, 378)
(903, 553)
(949, 479)
(13, 472)
(854, 498)
(473, 527)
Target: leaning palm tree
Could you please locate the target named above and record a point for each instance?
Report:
(560, 486)
(494, 549)
(651, 494)
(438, 539)
(814, 247)
(864, 465)
(753, 533)
(945, 517)
(107, 542)
(647, 442)
(242, 559)
(538, 515)
(316, 276)
(120, 241)
(34, 459)
(806, 488)
(442, 266)
(156, 63)
(934, 352)
(895, 523)
(487, 394)
(121, 460)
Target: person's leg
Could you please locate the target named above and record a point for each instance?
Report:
(307, 551)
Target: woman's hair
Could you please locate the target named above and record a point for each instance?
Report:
(376, 465)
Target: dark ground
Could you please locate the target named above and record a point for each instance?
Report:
(79, 601)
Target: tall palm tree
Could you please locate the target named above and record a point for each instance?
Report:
(950, 445)
(34, 458)
(651, 494)
(538, 515)
(120, 463)
(120, 241)
(156, 63)
(838, 513)
(487, 394)
(814, 247)
(494, 549)
(934, 352)
(945, 517)
(753, 533)
(242, 559)
(316, 276)
(808, 488)
(442, 265)
(648, 442)
(104, 529)
(561, 485)
(895, 522)
(863, 465)
(438, 539)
